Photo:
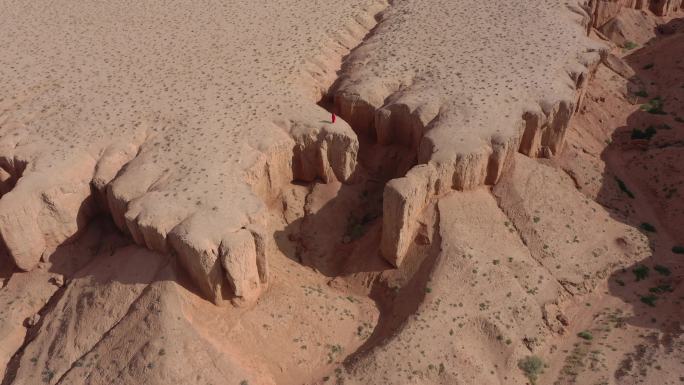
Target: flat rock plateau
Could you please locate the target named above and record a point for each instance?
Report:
(341, 192)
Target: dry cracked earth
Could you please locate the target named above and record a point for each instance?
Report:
(500, 199)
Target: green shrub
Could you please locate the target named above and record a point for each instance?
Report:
(678, 249)
(355, 228)
(648, 66)
(532, 366)
(662, 270)
(630, 45)
(649, 300)
(654, 106)
(585, 335)
(641, 94)
(646, 134)
(665, 288)
(623, 188)
(640, 272)
(648, 227)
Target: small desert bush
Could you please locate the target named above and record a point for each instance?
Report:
(662, 270)
(646, 134)
(648, 227)
(623, 188)
(649, 300)
(640, 272)
(678, 249)
(654, 106)
(664, 288)
(585, 335)
(532, 366)
(630, 45)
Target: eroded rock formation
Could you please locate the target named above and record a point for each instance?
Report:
(224, 177)
(182, 141)
(464, 115)
(604, 11)
(178, 181)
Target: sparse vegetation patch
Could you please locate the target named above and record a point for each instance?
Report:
(532, 366)
(630, 45)
(654, 106)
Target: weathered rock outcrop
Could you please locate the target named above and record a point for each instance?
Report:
(183, 142)
(47, 206)
(35, 289)
(188, 145)
(464, 105)
(605, 10)
(630, 28)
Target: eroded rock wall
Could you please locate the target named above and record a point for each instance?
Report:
(604, 10)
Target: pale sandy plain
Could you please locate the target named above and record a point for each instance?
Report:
(178, 207)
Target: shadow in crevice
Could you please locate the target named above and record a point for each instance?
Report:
(339, 235)
(398, 302)
(340, 228)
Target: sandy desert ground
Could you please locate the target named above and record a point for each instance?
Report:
(499, 200)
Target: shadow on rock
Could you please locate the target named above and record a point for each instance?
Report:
(643, 185)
